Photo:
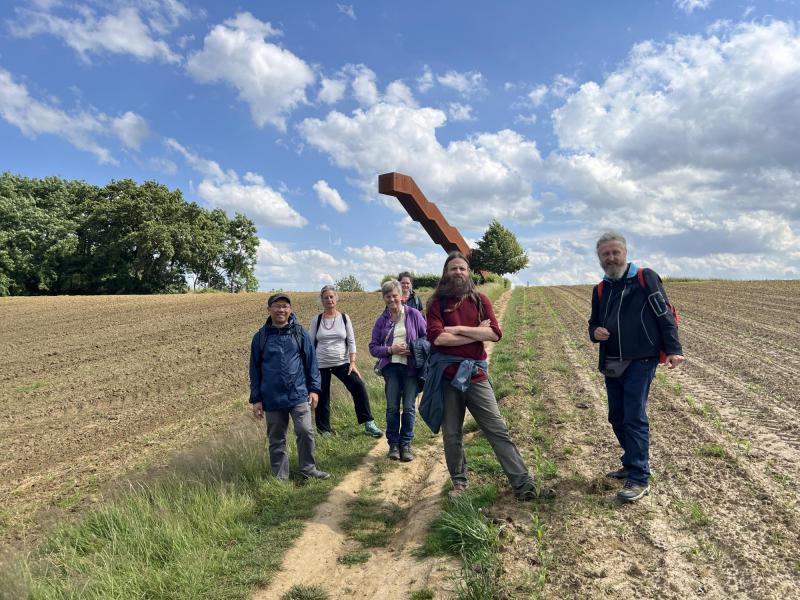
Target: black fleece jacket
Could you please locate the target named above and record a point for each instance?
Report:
(638, 318)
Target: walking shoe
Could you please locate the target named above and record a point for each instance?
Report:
(394, 452)
(535, 493)
(618, 474)
(371, 429)
(316, 474)
(406, 455)
(632, 491)
(458, 489)
(326, 434)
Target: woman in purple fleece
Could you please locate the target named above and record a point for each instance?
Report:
(392, 335)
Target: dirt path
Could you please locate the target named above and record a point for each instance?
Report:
(391, 572)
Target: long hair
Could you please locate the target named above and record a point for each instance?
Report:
(446, 288)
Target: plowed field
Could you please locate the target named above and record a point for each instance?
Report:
(93, 387)
(723, 519)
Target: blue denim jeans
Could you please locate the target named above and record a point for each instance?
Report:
(627, 399)
(400, 387)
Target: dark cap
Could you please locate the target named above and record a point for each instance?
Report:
(276, 297)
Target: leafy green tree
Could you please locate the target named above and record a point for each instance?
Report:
(239, 256)
(349, 283)
(498, 251)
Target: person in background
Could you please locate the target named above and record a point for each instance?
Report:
(409, 297)
(392, 335)
(284, 383)
(633, 323)
(335, 343)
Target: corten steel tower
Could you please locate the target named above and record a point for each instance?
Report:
(423, 212)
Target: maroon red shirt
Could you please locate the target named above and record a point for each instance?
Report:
(465, 314)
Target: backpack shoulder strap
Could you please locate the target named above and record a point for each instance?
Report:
(299, 337)
(316, 330)
(441, 308)
(344, 319)
(600, 290)
(640, 276)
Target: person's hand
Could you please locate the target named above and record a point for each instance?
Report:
(353, 369)
(258, 410)
(454, 329)
(673, 360)
(400, 349)
(601, 334)
(313, 399)
(486, 323)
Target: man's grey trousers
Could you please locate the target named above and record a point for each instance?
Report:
(277, 426)
(479, 399)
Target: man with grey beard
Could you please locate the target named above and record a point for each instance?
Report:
(634, 324)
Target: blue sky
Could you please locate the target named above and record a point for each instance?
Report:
(676, 122)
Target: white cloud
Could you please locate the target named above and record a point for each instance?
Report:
(693, 142)
(689, 6)
(270, 79)
(331, 90)
(132, 129)
(248, 194)
(425, 81)
(467, 83)
(460, 112)
(474, 180)
(398, 92)
(538, 94)
(363, 78)
(80, 128)
(526, 119)
(120, 32)
(347, 10)
(328, 195)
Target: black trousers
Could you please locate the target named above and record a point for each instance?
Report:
(354, 385)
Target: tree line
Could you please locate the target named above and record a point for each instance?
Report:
(61, 236)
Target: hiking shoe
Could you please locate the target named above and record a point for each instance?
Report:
(535, 493)
(632, 491)
(394, 452)
(371, 429)
(326, 434)
(406, 455)
(317, 474)
(458, 490)
(618, 474)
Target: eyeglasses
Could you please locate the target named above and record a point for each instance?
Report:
(280, 307)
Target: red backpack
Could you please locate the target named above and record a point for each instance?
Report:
(662, 356)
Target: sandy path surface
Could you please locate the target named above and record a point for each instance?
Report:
(391, 572)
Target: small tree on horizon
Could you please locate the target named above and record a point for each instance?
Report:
(349, 283)
(498, 252)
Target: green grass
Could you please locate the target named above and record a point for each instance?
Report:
(214, 525)
(371, 521)
(29, 387)
(354, 557)
(693, 514)
(305, 592)
(712, 450)
(425, 594)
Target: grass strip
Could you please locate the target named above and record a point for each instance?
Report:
(214, 525)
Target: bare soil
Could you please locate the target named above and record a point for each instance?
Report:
(96, 387)
(722, 519)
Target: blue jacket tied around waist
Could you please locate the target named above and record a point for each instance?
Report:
(280, 376)
(431, 406)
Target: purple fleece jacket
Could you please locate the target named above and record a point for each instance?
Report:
(415, 329)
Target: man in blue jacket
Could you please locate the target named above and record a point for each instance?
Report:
(284, 382)
(633, 322)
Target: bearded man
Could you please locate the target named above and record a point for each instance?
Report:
(460, 320)
(634, 324)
